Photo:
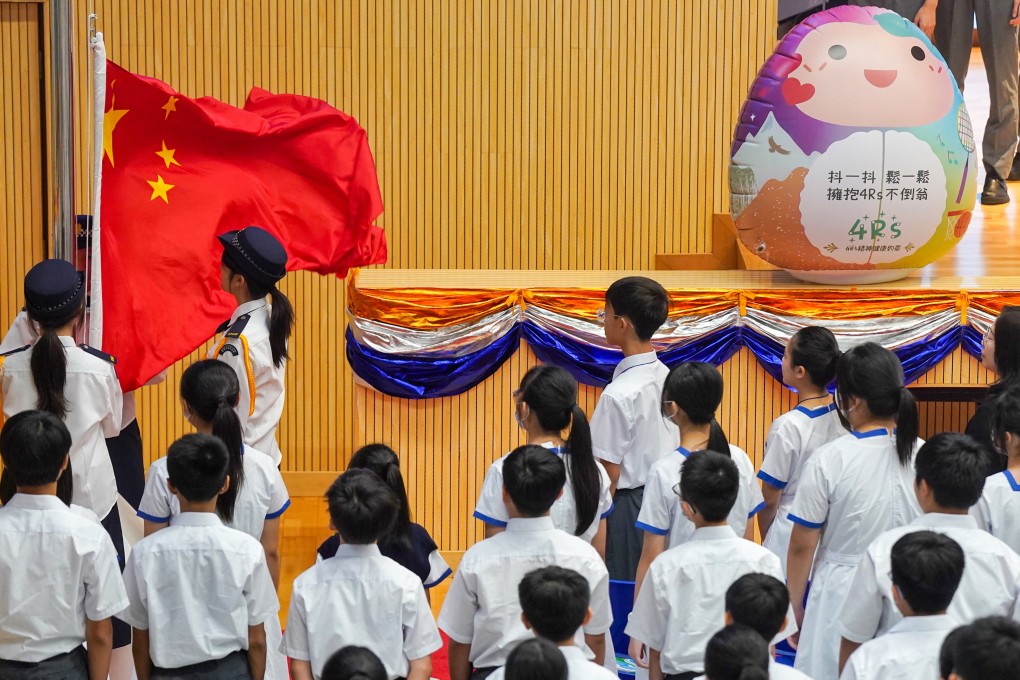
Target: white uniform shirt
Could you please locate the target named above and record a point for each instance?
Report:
(578, 667)
(778, 671)
(998, 510)
(793, 437)
(990, 584)
(660, 509)
(197, 586)
(260, 426)
(491, 509)
(909, 651)
(481, 607)
(360, 598)
(57, 568)
(681, 603)
(263, 495)
(95, 406)
(627, 427)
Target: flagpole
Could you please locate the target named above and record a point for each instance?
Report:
(95, 327)
(62, 129)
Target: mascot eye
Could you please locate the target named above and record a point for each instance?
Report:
(760, 248)
(837, 52)
(917, 53)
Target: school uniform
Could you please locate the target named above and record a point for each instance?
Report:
(481, 608)
(681, 603)
(791, 440)
(853, 489)
(778, 671)
(627, 429)
(422, 559)
(58, 567)
(660, 510)
(95, 407)
(578, 667)
(909, 651)
(197, 586)
(998, 509)
(989, 587)
(360, 598)
(244, 346)
(491, 509)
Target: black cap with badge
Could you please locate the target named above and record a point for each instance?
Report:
(256, 254)
(53, 290)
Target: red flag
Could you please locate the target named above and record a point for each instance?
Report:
(179, 171)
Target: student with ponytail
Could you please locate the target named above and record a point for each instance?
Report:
(406, 543)
(852, 490)
(545, 406)
(254, 340)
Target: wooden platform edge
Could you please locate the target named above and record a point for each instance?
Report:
(728, 253)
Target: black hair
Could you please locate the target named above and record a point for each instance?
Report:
(955, 467)
(1006, 418)
(361, 506)
(34, 445)
(815, 348)
(927, 567)
(737, 652)
(555, 601)
(1007, 347)
(536, 659)
(533, 477)
(696, 388)
(196, 465)
(709, 482)
(643, 301)
(875, 375)
(383, 461)
(354, 663)
(759, 601)
(49, 363)
(551, 394)
(281, 318)
(987, 648)
(210, 389)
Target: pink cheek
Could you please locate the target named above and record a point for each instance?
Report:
(822, 67)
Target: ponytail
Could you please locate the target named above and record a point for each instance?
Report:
(696, 388)
(584, 472)
(227, 427)
(281, 321)
(717, 439)
(907, 427)
(383, 461)
(49, 373)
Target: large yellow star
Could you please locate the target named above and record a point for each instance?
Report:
(160, 189)
(110, 120)
(167, 155)
(170, 106)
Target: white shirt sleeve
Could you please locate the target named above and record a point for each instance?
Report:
(421, 637)
(605, 495)
(811, 504)
(438, 569)
(137, 612)
(648, 620)
(457, 617)
(780, 453)
(236, 362)
(295, 636)
(259, 592)
(155, 505)
(611, 431)
(981, 512)
(279, 500)
(861, 613)
(654, 516)
(111, 423)
(104, 588)
(850, 670)
(490, 508)
(601, 608)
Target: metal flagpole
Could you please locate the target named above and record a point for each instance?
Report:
(62, 128)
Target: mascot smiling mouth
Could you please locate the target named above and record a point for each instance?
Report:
(880, 78)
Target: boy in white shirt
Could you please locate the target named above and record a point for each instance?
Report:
(681, 601)
(926, 570)
(762, 602)
(554, 605)
(628, 431)
(949, 475)
(482, 611)
(358, 596)
(988, 648)
(59, 577)
(200, 592)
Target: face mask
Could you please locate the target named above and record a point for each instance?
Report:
(518, 418)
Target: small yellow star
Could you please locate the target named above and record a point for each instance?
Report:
(170, 106)
(110, 120)
(160, 189)
(167, 155)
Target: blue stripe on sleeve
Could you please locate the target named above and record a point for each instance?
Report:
(758, 508)
(608, 512)
(438, 580)
(803, 522)
(150, 518)
(770, 480)
(274, 515)
(650, 529)
(489, 520)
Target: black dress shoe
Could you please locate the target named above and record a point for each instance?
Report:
(994, 192)
(1014, 172)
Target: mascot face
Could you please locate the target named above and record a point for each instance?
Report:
(863, 75)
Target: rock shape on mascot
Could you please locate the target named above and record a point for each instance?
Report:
(853, 160)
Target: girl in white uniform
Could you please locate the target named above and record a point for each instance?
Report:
(809, 365)
(851, 491)
(998, 509)
(546, 405)
(254, 340)
(256, 497)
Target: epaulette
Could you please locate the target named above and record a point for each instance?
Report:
(235, 328)
(14, 351)
(99, 353)
(223, 326)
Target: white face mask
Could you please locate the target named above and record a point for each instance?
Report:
(518, 418)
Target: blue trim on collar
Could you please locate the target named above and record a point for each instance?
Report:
(816, 412)
(879, 432)
(770, 480)
(650, 529)
(683, 452)
(489, 520)
(803, 522)
(1013, 484)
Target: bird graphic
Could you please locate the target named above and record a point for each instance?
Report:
(774, 147)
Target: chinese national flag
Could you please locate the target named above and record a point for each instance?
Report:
(179, 171)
